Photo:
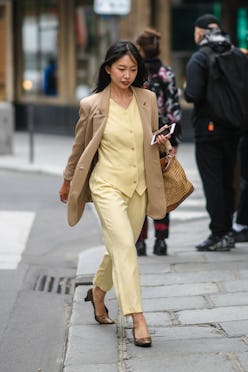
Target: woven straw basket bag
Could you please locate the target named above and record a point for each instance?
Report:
(176, 184)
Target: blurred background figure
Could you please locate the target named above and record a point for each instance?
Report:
(215, 144)
(240, 225)
(161, 80)
(50, 78)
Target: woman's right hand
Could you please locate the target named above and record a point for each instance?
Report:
(64, 191)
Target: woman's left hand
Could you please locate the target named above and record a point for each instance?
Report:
(161, 139)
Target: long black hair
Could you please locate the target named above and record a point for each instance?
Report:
(115, 52)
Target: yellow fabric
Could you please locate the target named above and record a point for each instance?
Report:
(117, 186)
(120, 155)
(121, 219)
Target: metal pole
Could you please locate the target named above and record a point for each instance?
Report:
(114, 28)
(31, 131)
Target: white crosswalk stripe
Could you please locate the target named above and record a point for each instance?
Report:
(15, 227)
(184, 215)
(191, 209)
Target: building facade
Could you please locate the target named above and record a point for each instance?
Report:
(50, 50)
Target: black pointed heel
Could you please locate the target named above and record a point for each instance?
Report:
(102, 319)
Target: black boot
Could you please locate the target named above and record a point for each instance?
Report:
(141, 248)
(160, 247)
(241, 236)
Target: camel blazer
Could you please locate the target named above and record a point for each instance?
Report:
(88, 134)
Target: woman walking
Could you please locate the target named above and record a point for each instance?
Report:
(114, 165)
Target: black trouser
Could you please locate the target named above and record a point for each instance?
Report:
(242, 212)
(161, 228)
(216, 162)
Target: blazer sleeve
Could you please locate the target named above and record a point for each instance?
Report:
(79, 143)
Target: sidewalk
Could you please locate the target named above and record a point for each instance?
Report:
(196, 304)
(50, 153)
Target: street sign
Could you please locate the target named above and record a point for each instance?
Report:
(112, 7)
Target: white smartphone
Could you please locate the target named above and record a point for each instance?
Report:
(164, 130)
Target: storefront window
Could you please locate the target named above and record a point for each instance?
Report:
(62, 44)
(40, 47)
(91, 36)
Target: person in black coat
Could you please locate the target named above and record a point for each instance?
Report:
(240, 225)
(215, 145)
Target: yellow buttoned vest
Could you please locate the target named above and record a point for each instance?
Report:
(120, 157)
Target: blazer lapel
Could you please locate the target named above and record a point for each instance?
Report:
(141, 102)
(101, 108)
(144, 105)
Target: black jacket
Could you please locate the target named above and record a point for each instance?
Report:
(197, 70)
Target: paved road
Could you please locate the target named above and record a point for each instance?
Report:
(196, 303)
(38, 262)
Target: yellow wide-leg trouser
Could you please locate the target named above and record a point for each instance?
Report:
(121, 219)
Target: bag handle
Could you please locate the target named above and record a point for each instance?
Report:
(165, 161)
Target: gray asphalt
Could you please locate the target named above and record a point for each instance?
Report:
(196, 304)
